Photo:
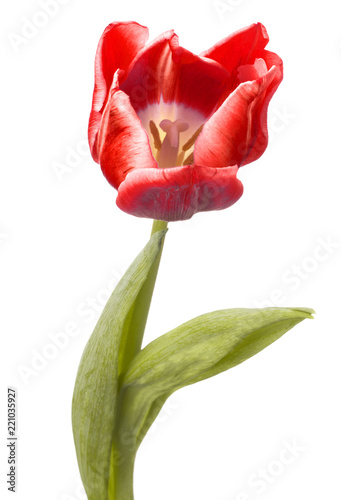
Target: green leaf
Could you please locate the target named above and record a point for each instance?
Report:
(196, 350)
(135, 322)
(95, 399)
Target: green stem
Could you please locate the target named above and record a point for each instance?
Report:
(121, 483)
(137, 318)
(158, 225)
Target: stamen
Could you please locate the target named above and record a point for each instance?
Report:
(192, 140)
(189, 160)
(156, 135)
(180, 158)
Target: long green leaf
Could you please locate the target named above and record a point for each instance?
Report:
(135, 322)
(95, 399)
(196, 350)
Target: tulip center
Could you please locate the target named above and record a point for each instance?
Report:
(168, 155)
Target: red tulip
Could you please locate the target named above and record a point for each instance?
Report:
(170, 128)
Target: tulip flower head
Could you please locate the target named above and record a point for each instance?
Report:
(169, 128)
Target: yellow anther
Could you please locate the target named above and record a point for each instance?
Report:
(192, 140)
(156, 135)
(189, 160)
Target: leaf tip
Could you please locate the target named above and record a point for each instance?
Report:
(306, 311)
(160, 236)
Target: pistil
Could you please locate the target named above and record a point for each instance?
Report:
(170, 145)
(167, 151)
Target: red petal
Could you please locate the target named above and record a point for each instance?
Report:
(117, 47)
(237, 132)
(178, 193)
(239, 48)
(123, 144)
(163, 69)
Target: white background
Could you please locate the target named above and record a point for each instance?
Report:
(64, 244)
